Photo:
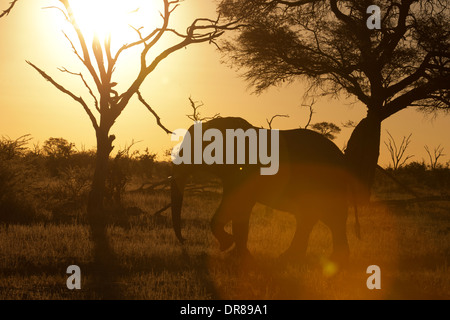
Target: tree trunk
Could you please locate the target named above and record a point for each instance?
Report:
(97, 217)
(97, 194)
(362, 154)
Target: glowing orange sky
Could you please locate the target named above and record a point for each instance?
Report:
(29, 104)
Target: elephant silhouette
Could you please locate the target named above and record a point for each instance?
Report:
(312, 183)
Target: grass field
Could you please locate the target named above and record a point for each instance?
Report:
(411, 245)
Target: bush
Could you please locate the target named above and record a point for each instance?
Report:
(419, 174)
(144, 163)
(10, 149)
(17, 203)
(118, 176)
(76, 183)
(122, 167)
(58, 152)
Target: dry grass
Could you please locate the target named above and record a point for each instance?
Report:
(410, 245)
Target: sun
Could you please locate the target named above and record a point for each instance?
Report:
(116, 18)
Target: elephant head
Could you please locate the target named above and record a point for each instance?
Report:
(186, 161)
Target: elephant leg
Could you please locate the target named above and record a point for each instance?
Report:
(218, 222)
(299, 244)
(341, 251)
(235, 207)
(241, 220)
(337, 222)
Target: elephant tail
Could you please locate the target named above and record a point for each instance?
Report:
(357, 225)
(355, 202)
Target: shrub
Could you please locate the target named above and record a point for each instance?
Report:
(118, 176)
(144, 163)
(58, 152)
(17, 203)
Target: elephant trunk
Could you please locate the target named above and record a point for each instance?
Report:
(177, 190)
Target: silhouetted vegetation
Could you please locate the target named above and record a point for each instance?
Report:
(423, 176)
(328, 46)
(328, 129)
(105, 212)
(17, 172)
(52, 183)
(51, 209)
(397, 153)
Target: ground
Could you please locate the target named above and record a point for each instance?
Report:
(410, 244)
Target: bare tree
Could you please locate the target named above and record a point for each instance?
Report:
(434, 156)
(311, 112)
(397, 153)
(107, 104)
(196, 116)
(327, 44)
(269, 122)
(327, 129)
(8, 10)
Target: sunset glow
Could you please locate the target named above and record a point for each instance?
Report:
(226, 150)
(115, 18)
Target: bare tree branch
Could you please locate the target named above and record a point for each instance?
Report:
(311, 112)
(8, 10)
(195, 116)
(59, 9)
(269, 122)
(191, 38)
(434, 157)
(158, 119)
(67, 92)
(73, 48)
(397, 153)
(86, 56)
(86, 85)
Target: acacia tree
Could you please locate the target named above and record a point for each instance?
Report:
(328, 129)
(107, 104)
(328, 43)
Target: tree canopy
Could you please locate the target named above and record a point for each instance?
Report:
(327, 42)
